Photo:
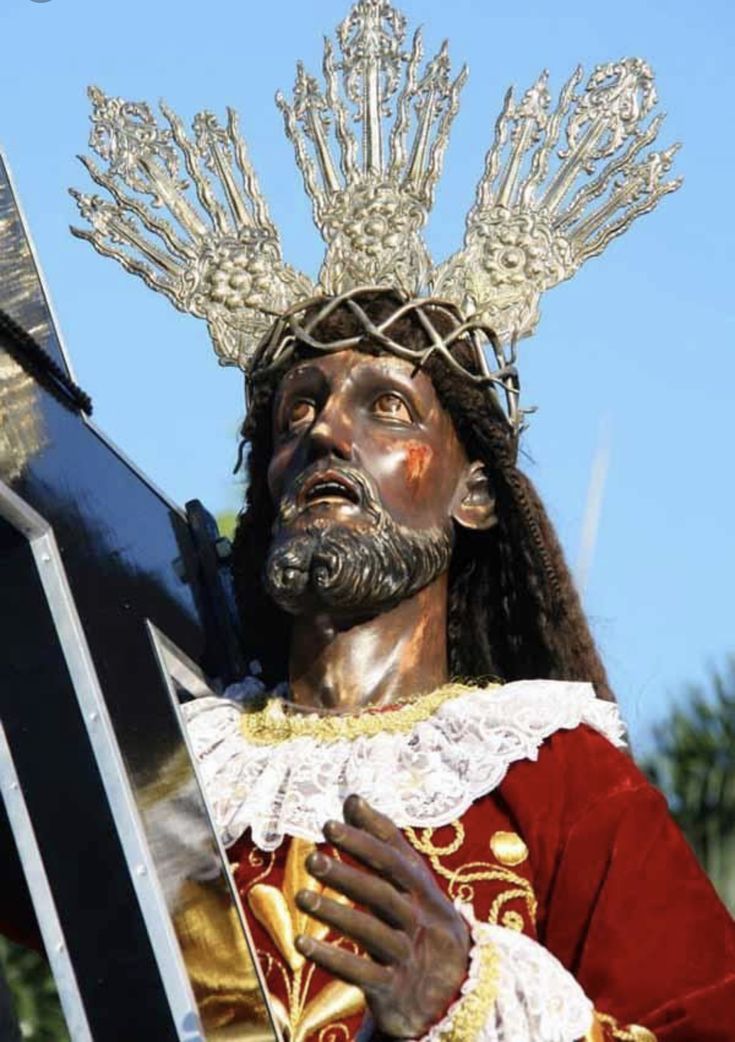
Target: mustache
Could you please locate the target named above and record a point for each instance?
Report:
(293, 501)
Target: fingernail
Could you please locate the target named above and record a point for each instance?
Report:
(334, 830)
(353, 807)
(307, 899)
(317, 863)
(304, 945)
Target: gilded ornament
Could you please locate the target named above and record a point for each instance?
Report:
(508, 848)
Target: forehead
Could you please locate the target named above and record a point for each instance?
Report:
(351, 367)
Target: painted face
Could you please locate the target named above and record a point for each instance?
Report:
(351, 428)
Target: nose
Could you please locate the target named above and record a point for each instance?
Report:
(332, 432)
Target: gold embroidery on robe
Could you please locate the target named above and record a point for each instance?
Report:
(277, 911)
(462, 878)
(629, 1033)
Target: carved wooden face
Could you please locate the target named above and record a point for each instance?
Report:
(346, 414)
(368, 477)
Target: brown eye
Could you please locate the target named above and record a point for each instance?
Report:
(392, 407)
(300, 413)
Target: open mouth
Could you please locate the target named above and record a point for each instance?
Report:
(330, 488)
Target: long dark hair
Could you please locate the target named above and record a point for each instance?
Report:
(514, 612)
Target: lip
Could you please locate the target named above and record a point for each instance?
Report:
(309, 494)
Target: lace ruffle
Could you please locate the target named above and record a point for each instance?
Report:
(424, 777)
(515, 989)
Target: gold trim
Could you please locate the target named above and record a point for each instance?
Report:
(279, 721)
(629, 1033)
(596, 1032)
(466, 1020)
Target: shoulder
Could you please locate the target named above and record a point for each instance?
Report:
(576, 768)
(578, 773)
(582, 803)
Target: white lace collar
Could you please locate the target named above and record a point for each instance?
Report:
(422, 764)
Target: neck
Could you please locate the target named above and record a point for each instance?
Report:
(339, 666)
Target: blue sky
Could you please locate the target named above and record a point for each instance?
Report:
(639, 344)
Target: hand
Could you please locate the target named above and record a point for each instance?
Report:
(418, 942)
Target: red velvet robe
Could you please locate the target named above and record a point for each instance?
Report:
(578, 851)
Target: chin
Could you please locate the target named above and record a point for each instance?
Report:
(324, 564)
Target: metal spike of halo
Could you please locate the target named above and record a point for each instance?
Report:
(187, 215)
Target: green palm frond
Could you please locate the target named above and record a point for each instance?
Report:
(694, 764)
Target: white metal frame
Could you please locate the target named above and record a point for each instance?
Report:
(148, 890)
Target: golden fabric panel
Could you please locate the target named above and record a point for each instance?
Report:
(223, 977)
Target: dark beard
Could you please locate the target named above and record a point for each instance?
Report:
(354, 572)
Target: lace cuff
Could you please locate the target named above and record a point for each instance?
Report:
(515, 989)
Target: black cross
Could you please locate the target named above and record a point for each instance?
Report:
(112, 600)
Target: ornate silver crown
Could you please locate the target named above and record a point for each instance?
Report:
(185, 212)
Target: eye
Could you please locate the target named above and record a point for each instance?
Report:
(299, 414)
(392, 407)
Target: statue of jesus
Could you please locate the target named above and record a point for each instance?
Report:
(433, 825)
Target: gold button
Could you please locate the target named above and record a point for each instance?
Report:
(508, 848)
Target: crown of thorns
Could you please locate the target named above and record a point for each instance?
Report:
(300, 324)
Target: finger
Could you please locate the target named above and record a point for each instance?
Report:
(354, 969)
(372, 852)
(383, 943)
(373, 839)
(360, 813)
(365, 888)
(357, 811)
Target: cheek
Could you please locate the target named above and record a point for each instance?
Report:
(279, 462)
(418, 459)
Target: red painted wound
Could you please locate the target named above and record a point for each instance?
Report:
(417, 460)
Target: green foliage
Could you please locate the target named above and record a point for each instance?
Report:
(694, 765)
(34, 994)
(226, 523)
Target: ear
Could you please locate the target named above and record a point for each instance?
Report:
(476, 503)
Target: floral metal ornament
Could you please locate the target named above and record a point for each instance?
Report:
(559, 184)
(372, 207)
(221, 260)
(561, 181)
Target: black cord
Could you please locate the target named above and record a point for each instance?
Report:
(45, 364)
